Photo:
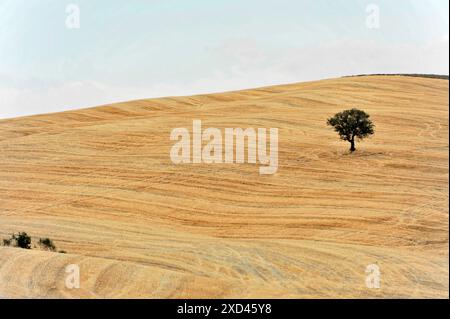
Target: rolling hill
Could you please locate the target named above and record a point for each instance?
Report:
(101, 184)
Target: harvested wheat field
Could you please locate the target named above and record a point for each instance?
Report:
(100, 183)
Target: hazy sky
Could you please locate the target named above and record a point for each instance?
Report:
(133, 49)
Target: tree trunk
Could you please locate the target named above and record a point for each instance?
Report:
(352, 142)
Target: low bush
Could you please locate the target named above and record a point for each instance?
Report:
(47, 244)
(22, 240)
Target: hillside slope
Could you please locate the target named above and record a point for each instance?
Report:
(101, 184)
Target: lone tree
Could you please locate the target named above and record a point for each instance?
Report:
(351, 124)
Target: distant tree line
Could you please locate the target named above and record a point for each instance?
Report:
(431, 76)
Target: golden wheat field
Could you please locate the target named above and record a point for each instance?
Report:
(100, 183)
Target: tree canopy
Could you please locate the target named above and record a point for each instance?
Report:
(351, 124)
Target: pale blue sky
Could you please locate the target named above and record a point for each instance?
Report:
(147, 48)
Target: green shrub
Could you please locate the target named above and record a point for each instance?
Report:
(47, 244)
(22, 240)
(6, 242)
